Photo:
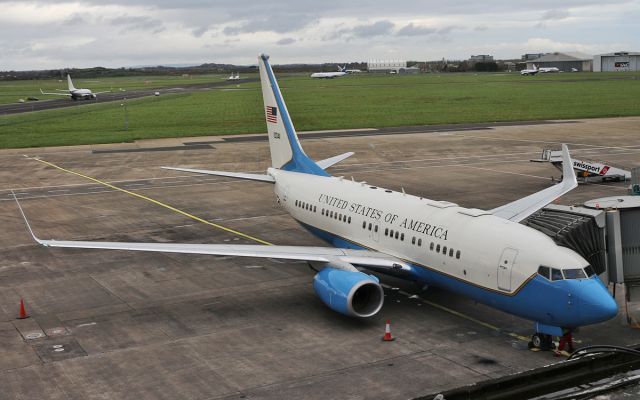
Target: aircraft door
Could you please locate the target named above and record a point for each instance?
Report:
(374, 232)
(507, 260)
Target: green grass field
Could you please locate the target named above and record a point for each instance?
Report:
(361, 101)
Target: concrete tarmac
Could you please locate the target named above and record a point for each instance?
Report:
(129, 325)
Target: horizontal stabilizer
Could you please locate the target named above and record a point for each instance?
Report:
(239, 175)
(520, 209)
(324, 164)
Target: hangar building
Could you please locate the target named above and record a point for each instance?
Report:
(386, 66)
(566, 62)
(619, 61)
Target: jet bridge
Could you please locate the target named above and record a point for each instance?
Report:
(580, 229)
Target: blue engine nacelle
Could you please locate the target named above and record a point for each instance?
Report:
(351, 293)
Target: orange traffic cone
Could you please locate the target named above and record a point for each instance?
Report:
(387, 333)
(23, 312)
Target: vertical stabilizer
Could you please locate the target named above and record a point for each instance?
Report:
(286, 152)
(71, 87)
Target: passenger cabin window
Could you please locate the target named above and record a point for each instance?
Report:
(402, 237)
(364, 224)
(396, 235)
(450, 252)
(444, 250)
(419, 242)
(544, 272)
(431, 246)
(413, 240)
(369, 225)
(349, 221)
(375, 229)
(556, 275)
(574, 273)
(438, 249)
(458, 254)
(386, 231)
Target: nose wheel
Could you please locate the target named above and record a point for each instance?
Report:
(541, 341)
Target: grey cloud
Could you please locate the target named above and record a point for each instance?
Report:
(376, 29)
(481, 28)
(414, 30)
(285, 41)
(198, 32)
(555, 15)
(130, 23)
(448, 29)
(278, 23)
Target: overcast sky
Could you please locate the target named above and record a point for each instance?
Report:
(114, 33)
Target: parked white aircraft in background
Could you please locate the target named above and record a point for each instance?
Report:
(353, 71)
(485, 255)
(76, 94)
(586, 169)
(548, 69)
(342, 71)
(233, 77)
(531, 71)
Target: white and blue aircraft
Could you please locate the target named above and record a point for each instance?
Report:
(75, 94)
(485, 255)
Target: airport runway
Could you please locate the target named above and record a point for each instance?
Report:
(126, 325)
(48, 102)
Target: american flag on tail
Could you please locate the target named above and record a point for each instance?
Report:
(272, 114)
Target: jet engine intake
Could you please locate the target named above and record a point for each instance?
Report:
(351, 293)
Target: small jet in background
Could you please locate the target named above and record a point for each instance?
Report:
(531, 71)
(548, 69)
(342, 71)
(76, 94)
(233, 77)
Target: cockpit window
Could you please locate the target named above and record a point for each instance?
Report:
(589, 270)
(574, 273)
(556, 275)
(544, 272)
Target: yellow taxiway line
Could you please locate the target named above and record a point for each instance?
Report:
(161, 204)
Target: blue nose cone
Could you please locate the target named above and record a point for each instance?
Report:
(596, 304)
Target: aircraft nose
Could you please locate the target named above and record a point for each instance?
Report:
(596, 304)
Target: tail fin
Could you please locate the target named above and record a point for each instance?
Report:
(71, 87)
(286, 152)
(342, 69)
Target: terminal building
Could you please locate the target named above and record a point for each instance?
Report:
(566, 62)
(619, 61)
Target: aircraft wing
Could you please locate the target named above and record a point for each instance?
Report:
(56, 94)
(301, 253)
(518, 210)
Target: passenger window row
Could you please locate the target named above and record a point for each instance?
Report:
(336, 215)
(437, 249)
(394, 234)
(370, 226)
(306, 206)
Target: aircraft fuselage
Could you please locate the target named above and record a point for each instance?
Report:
(469, 251)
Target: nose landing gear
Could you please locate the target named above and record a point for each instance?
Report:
(541, 341)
